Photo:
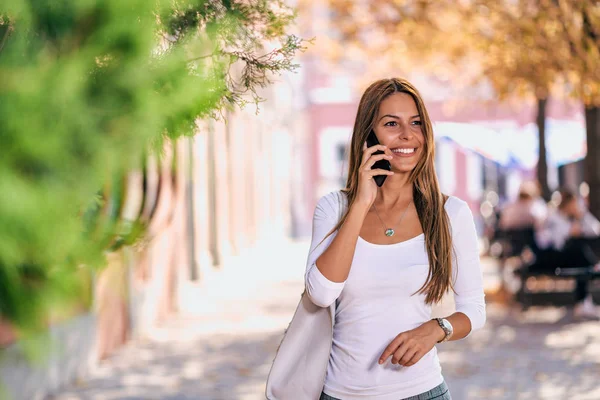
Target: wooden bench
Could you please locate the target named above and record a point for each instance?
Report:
(552, 293)
(537, 286)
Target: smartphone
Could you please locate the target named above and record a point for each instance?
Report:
(381, 164)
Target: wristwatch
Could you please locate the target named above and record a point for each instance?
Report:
(447, 327)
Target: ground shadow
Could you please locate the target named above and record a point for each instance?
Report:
(229, 367)
(540, 354)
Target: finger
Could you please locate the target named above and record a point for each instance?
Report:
(390, 349)
(373, 159)
(377, 147)
(388, 152)
(410, 353)
(365, 146)
(398, 354)
(415, 359)
(369, 151)
(378, 171)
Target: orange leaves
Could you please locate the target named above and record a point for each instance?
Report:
(516, 45)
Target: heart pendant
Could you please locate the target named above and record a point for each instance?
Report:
(389, 232)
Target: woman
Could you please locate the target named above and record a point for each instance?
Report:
(384, 255)
(570, 238)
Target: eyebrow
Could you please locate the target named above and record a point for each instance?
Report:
(396, 117)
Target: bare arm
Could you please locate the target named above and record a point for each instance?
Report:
(460, 323)
(329, 265)
(335, 262)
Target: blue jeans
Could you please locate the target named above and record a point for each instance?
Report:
(440, 392)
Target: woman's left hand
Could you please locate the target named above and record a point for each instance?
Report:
(410, 346)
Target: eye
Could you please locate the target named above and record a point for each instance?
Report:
(417, 123)
(390, 123)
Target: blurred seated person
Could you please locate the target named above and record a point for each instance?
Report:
(570, 238)
(519, 219)
(527, 211)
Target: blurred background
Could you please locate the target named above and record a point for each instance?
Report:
(160, 163)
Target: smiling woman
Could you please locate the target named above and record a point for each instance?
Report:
(399, 128)
(380, 256)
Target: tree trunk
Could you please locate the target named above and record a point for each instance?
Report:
(542, 166)
(592, 159)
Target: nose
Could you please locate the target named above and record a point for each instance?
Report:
(404, 130)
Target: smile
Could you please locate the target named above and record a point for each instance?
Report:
(408, 151)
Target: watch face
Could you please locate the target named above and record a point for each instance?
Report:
(447, 327)
(446, 324)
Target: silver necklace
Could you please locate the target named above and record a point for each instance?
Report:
(391, 231)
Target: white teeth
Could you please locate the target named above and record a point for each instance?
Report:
(404, 151)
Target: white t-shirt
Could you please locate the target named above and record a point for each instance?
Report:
(523, 214)
(556, 229)
(376, 303)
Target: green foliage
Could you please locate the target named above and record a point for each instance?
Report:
(249, 35)
(85, 87)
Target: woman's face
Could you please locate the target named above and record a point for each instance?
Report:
(398, 126)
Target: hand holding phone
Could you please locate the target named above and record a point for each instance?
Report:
(380, 164)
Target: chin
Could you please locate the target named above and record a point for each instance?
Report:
(403, 169)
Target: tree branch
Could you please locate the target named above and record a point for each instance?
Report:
(571, 41)
(203, 57)
(7, 32)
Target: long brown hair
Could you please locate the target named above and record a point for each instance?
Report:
(427, 196)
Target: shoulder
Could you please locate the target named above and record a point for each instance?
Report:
(454, 206)
(333, 204)
(458, 210)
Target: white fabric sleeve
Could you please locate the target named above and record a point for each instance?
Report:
(543, 235)
(590, 226)
(553, 233)
(321, 290)
(468, 283)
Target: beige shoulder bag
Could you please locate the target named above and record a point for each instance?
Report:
(300, 365)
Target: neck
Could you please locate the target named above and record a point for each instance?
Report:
(396, 191)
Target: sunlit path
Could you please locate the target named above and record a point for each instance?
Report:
(221, 349)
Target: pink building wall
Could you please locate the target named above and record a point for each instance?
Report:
(324, 115)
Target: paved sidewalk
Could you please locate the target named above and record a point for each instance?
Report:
(221, 349)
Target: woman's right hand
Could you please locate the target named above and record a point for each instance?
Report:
(367, 188)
